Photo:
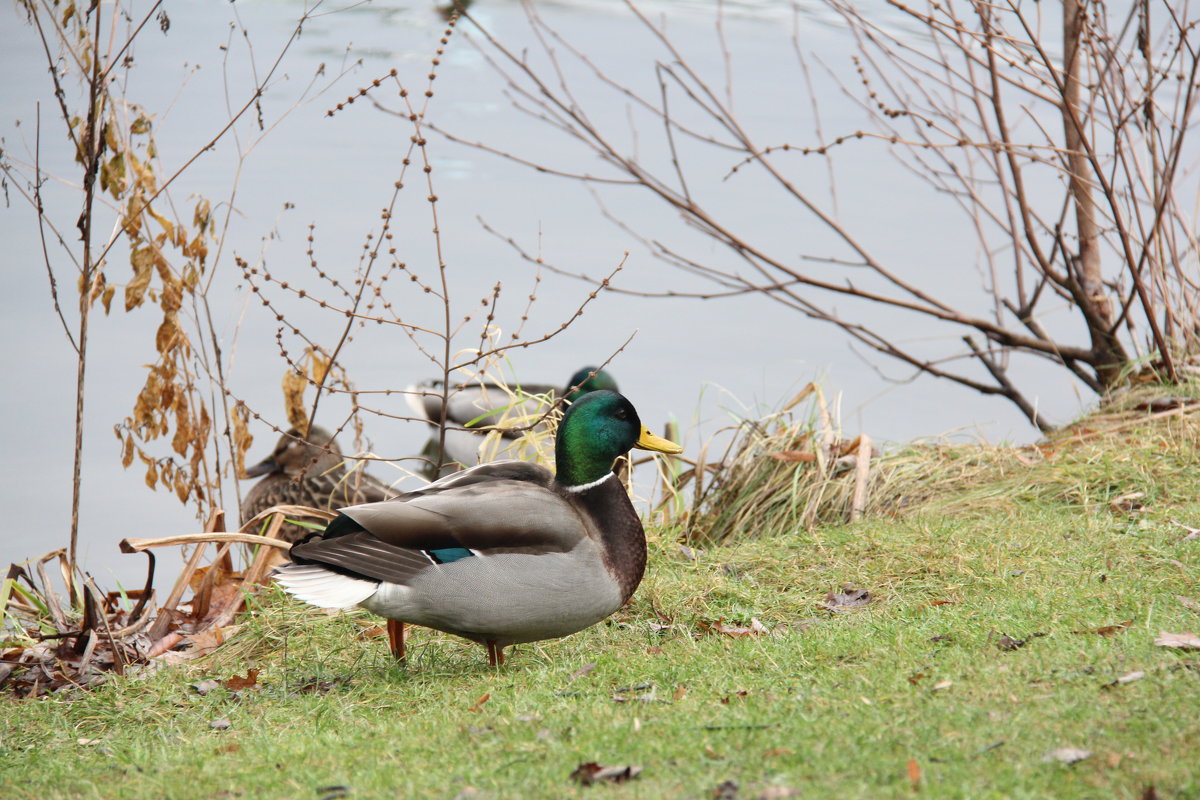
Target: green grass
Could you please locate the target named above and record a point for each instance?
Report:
(829, 705)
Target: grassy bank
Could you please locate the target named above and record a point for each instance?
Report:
(1002, 616)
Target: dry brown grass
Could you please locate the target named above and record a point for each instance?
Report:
(790, 473)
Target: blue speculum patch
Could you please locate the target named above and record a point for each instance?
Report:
(449, 554)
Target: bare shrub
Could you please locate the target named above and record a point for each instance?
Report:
(1061, 143)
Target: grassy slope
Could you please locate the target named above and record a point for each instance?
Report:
(829, 705)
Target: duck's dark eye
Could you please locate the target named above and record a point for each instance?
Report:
(621, 413)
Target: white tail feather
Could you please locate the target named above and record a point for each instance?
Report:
(322, 587)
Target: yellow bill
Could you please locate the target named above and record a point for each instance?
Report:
(649, 441)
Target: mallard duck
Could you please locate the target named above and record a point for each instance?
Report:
(308, 471)
(501, 553)
(486, 404)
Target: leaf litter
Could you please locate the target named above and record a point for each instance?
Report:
(237, 683)
(1128, 677)
(1009, 643)
(914, 774)
(847, 600)
(62, 644)
(1067, 755)
(754, 628)
(1178, 641)
(1108, 630)
(591, 773)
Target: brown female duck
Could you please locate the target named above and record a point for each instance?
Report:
(308, 471)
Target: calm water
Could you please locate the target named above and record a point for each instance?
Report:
(695, 361)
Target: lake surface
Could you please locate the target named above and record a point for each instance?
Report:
(703, 363)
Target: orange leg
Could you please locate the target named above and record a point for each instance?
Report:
(495, 655)
(395, 629)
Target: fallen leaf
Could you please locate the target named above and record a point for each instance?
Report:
(220, 576)
(1008, 643)
(740, 694)
(940, 685)
(914, 774)
(1067, 755)
(942, 603)
(915, 678)
(1128, 677)
(87, 742)
(711, 753)
(479, 703)
(726, 790)
(199, 644)
(591, 772)
(680, 693)
(229, 748)
(1187, 602)
(774, 752)
(584, 670)
(654, 650)
(944, 637)
(1180, 641)
(1193, 533)
(848, 599)
(1108, 630)
(373, 632)
(237, 683)
(221, 724)
(1127, 503)
(755, 628)
(206, 686)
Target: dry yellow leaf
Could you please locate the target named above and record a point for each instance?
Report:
(318, 366)
(294, 384)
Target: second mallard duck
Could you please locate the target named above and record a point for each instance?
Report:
(472, 410)
(501, 553)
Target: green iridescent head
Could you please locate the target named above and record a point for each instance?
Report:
(588, 379)
(596, 429)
